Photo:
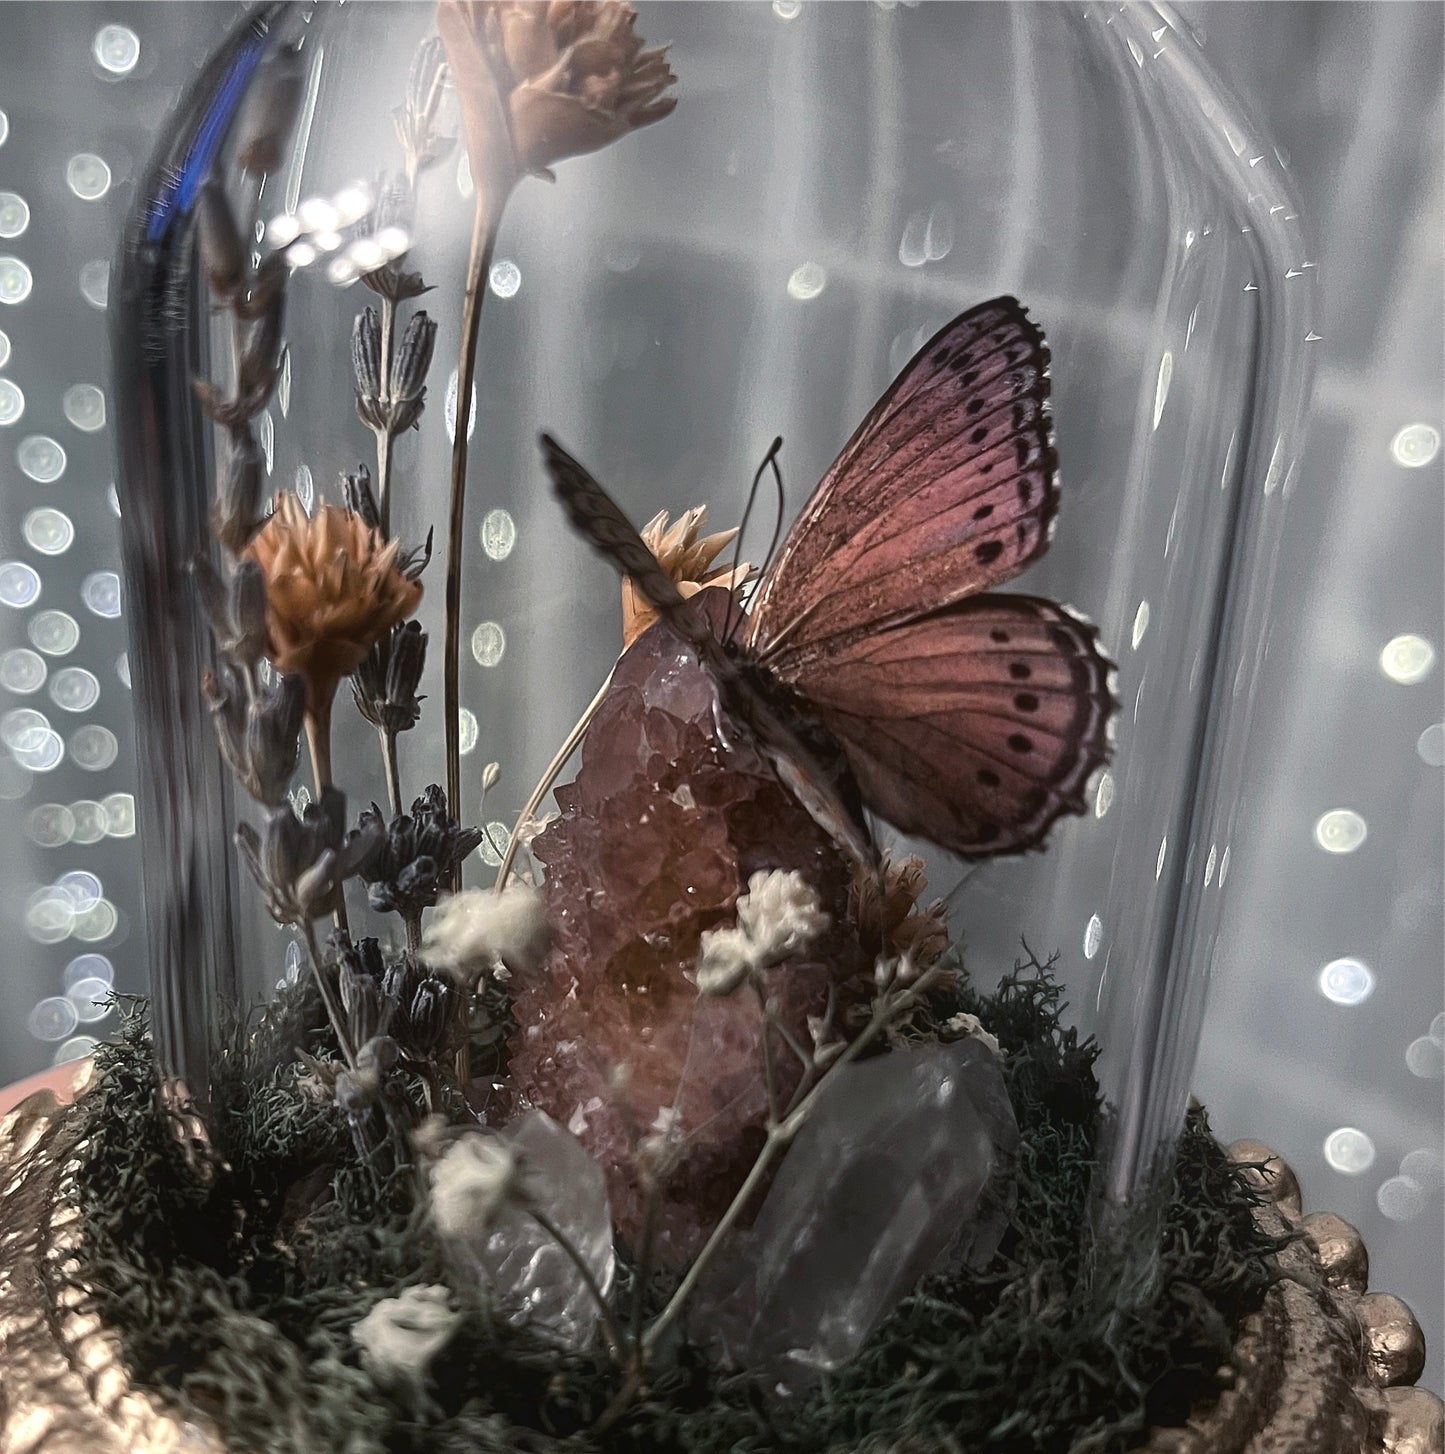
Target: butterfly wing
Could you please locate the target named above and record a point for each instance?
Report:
(974, 726)
(599, 520)
(948, 487)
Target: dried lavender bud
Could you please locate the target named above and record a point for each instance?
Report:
(402, 978)
(416, 855)
(415, 121)
(366, 1012)
(236, 515)
(364, 957)
(222, 250)
(385, 684)
(413, 358)
(236, 610)
(269, 110)
(366, 360)
(261, 352)
(394, 208)
(301, 861)
(259, 728)
(428, 1015)
(380, 1053)
(356, 495)
(412, 561)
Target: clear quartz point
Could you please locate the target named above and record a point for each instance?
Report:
(532, 1278)
(901, 1170)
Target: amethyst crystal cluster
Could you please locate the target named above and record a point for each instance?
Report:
(657, 837)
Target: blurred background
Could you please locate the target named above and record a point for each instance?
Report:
(1324, 1031)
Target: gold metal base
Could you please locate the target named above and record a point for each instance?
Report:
(1325, 1367)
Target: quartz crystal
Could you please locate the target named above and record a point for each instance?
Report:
(668, 818)
(532, 1278)
(901, 1170)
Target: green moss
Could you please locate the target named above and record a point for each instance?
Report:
(238, 1295)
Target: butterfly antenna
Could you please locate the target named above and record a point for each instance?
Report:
(770, 458)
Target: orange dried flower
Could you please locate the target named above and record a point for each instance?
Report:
(542, 80)
(687, 558)
(334, 586)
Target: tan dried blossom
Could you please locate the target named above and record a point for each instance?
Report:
(688, 558)
(889, 917)
(334, 586)
(542, 80)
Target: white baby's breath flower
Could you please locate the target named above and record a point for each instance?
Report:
(726, 960)
(478, 928)
(970, 1027)
(470, 1181)
(403, 1334)
(781, 915)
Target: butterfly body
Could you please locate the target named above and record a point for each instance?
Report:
(967, 718)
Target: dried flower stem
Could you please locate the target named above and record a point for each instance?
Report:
(318, 741)
(333, 1010)
(484, 239)
(393, 773)
(886, 1010)
(549, 776)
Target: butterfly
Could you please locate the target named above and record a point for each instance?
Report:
(970, 719)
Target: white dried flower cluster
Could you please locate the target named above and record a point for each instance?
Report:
(479, 930)
(778, 917)
(469, 1182)
(971, 1027)
(403, 1334)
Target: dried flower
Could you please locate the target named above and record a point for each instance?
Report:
(402, 405)
(415, 120)
(885, 909)
(478, 927)
(236, 514)
(302, 860)
(415, 855)
(385, 684)
(236, 609)
(542, 80)
(393, 210)
(781, 914)
(778, 917)
(475, 1175)
(403, 1334)
(356, 495)
(333, 588)
(966, 1026)
(687, 558)
(259, 727)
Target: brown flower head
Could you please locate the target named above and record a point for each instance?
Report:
(542, 80)
(687, 558)
(889, 918)
(333, 587)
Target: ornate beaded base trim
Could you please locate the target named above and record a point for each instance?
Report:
(1325, 1366)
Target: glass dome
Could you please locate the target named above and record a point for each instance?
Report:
(762, 263)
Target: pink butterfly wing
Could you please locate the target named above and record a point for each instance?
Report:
(947, 488)
(974, 726)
